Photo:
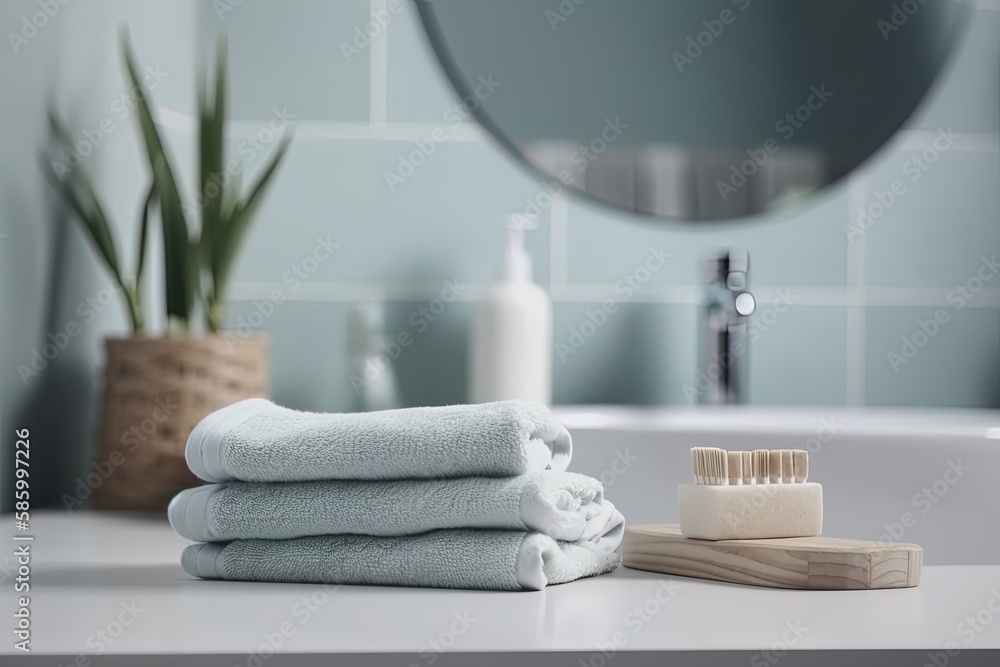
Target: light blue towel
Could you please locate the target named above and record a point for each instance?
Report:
(257, 441)
(466, 496)
(562, 505)
(480, 559)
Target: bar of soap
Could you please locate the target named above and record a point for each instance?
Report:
(750, 512)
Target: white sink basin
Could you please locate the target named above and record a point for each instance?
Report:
(926, 476)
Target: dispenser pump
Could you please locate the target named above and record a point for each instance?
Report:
(516, 262)
(510, 351)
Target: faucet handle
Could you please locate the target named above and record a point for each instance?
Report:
(727, 305)
(730, 267)
(745, 304)
(736, 281)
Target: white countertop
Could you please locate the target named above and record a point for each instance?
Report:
(87, 565)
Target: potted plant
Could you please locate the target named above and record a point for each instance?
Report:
(157, 387)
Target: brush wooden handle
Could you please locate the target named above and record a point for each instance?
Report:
(818, 563)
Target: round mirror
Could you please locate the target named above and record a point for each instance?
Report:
(695, 110)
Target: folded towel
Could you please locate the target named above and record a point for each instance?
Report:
(561, 505)
(482, 559)
(257, 441)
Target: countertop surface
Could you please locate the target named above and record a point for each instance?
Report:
(112, 584)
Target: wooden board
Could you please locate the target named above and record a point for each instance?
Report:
(816, 563)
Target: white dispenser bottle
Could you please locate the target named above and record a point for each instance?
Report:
(511, 350)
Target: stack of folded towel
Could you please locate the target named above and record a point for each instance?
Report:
(467, 496)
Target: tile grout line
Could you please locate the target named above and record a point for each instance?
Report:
(340, 130)
(855, 315)
(379, 128)
(378, 68)
(558, 255)
(687, 294)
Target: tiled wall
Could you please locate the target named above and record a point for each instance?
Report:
(832, 306)
(851, 297)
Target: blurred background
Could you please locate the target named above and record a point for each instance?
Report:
(345, 224)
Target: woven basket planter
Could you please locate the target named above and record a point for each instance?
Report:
(155, 391)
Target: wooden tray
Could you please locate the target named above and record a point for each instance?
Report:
(816, 563)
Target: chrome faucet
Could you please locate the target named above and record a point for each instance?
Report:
(727, 307)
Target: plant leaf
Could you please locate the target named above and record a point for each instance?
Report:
(143, 230)
(231, 197)
(237, 224)
(151, 138)
(147, 124)
(78, 192)
(193, 276)
(92, 220)
(176, 244)
(212, 156)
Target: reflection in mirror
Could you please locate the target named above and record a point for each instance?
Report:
(693, 109)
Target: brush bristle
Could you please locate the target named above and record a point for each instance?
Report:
(735, 464)
(710, 465)
(800, 465)
(761, 459)
(774, 466)
(716, 467)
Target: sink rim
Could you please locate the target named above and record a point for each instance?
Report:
(895, 422)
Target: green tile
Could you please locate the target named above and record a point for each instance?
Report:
(418, 87)
(957, 366)
(445, 221)
(797, 357)
(433, 369)
(639, 353)
(804, 247)
(308, 351)
(943, 220)
(648, 354)
(966, 94)
(311, 361)
(290, 54)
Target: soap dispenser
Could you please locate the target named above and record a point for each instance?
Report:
(511, 350)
